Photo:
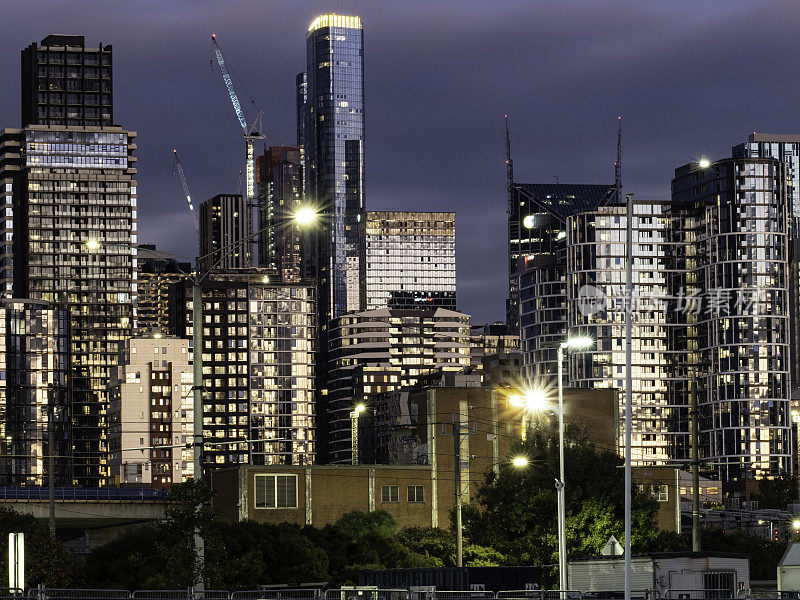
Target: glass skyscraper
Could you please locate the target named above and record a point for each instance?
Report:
(735, 232)
(537, 221)
(595, 276)
(71, 211)
(409, 259)
(786, 148)
(332, 121)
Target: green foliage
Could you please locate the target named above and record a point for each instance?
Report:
(46, 560)
(515, 511)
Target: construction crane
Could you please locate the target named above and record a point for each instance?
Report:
(251, 132)
(185, 185)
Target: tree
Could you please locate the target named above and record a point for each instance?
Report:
(777, 492)
(515, 511)
(438, 547)
(162, 555)
(46, 560)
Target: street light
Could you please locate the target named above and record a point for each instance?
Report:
(531, 401)
(519, 461)
(93, 245)
(357, 410)
(576, 343)
(305, 216)
(301, 217)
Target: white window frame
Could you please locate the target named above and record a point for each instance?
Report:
(391, 499)
(274, 476)
(416, 500)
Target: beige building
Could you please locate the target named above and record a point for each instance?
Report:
(151, 413)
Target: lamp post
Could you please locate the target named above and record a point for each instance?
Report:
(577, 343)
(359, 408)
(303, 216)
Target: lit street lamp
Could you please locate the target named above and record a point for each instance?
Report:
(519, 461)
(577, 344)
(532, 401)
(303, 217)
(359, 408)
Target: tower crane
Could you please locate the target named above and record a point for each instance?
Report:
(185, 185)
(251, 132)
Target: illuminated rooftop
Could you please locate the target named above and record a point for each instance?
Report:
(334, 20)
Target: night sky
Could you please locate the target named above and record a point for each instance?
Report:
(690, 78)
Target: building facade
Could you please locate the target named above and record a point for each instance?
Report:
(408, 259)
(285, 246)
(151, 412)
(225, 224)
(786, 148)
(595, 273)
(735, 225)
(35, 393)
(382, 350)
(332, 119)
(64, 82)
(259, 344)
(71, 230)
(158, 270)
(537, 215)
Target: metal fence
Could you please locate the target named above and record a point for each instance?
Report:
(369, 593)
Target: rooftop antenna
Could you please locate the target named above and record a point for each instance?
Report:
(509, 168)
(618, 164)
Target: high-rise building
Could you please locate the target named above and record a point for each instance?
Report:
(786, 148)
(332, 120)
(384, 350)
(71, 210)
(225, 223)
(537, 217)
(66, 83)
(595, 276)
(34, 393)
(489, 339)
(735, 224)
(151, 412)
(259, 344)
(408, 259)
(158, 270)
(285, 246)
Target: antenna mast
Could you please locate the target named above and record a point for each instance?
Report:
(618, 164)
(509, 168)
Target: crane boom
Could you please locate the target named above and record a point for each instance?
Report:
(186, 193)
(229, 84)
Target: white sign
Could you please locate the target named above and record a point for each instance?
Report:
(16, 560)
(612, 547)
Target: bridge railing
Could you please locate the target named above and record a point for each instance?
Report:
(81, 494)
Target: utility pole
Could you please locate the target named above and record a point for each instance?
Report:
(51, 461)
(458, 432)
(457, 490)
(695, 464)
(197, 420)
(628, 386)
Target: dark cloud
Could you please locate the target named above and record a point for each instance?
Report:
(690, 79)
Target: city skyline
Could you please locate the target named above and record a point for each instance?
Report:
(598, 61)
